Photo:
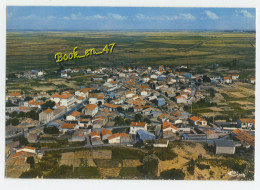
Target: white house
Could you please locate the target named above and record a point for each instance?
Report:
(180, 99)
(227, 80)
(46, 116)
(197, 121)
(90, 109)
(135, 126)
(27, 149)
(235, 77)
(73, 116)
(246, 123)
(169, 127)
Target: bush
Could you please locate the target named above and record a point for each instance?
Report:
(150, 165)
(130, 172)
(177, 174)
(51, 130)
(164, 153)
(203, 166)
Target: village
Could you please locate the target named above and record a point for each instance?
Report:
(126, 107)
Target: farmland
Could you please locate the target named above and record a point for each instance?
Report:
(36, 50)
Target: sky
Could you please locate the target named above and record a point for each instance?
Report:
(129, 18)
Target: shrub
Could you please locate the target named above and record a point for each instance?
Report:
(177, 174)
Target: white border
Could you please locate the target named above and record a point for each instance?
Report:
(11, 184)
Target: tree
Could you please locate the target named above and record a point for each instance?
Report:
(22, 141)
(48, 104)
(205, 78)
(30, 160)
(27, 99)
(33, 114)
(147, 120)
(15, 122)
(212, 92)
(51, 130)
(31, 173)
(176, 174)
(191, 166)
(138, 117)
(150, 165)
(120, 109)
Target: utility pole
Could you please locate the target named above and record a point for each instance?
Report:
(213, 118)
(191, 108)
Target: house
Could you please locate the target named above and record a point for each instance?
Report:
(134, 126)
(180, 100)
(115, 138)
(252, 80)
(235, 77)
(194, 120)
(243, 136)
(78, 136)
(15, 95)
(46, 116)
(105, 133)
(80, 99)
(83, 92)
(67, 100)
(169, 127)
(124, 138)
(95, 134)
(110, 107)
(146, 79)
(73, 116)
(84, 123)
(90, 109)
(68, 127)
(160, 101)
(96, 141)
(144, 135)
(27, 149)
(161, 143)
(225, 146)
(96, 98)
(210, 134)
(227, 80)
(246, 123)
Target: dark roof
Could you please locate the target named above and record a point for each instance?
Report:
(225, 143)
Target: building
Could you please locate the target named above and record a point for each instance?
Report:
(169, 127)
(90, 109)
(161, 143)
(105, 133)
(144, 135)
(73, 116)
(160, 101)
(246, 123)
(46, 116)
(180, 100)
(197, 121)
(27, 149)
(227, 80)
(134, 126)
(252, 80)
(225, 147)
(210, 134)
(110, 107)
(68, 127)
(243, 136)
(235, 77)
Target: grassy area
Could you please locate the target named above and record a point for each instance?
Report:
(168, 48)
(86, 173)
(164, 153)
(123, 153)
(130, 172)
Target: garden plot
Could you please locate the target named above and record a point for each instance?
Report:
(131, 163)
(102, 154)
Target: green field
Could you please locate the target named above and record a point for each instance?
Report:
(36, 50)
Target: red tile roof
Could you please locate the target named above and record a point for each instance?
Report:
(137, 124)
(91, 107)
(105, 132)
(68, 125)
(168, 124)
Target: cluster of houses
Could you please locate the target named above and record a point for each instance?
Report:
(158, 95)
